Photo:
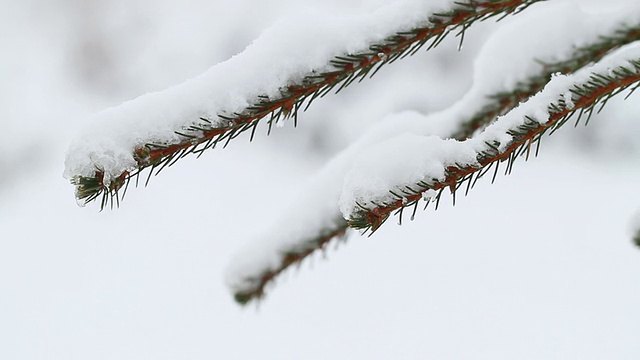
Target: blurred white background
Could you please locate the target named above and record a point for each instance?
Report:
(536, 266)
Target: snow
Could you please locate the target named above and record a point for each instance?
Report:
(549, 32)
(386, 166)
(282, 55)
(429, 195)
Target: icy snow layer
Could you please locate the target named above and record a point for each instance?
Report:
(548, 32)
(409, 158)
(283, 54)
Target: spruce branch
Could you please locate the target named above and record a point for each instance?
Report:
(493, 105)
(502, 102)
(343, 70)
(254, 286)
(585, 98)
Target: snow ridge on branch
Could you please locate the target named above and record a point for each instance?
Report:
(436, 164)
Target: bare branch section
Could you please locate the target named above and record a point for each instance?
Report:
(581, 99)
(345, 69)
(255, 288)
(487, 107)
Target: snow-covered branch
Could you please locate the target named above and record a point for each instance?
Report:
(560, 36)
(248, 279)
(400, 172)
(280, 74)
